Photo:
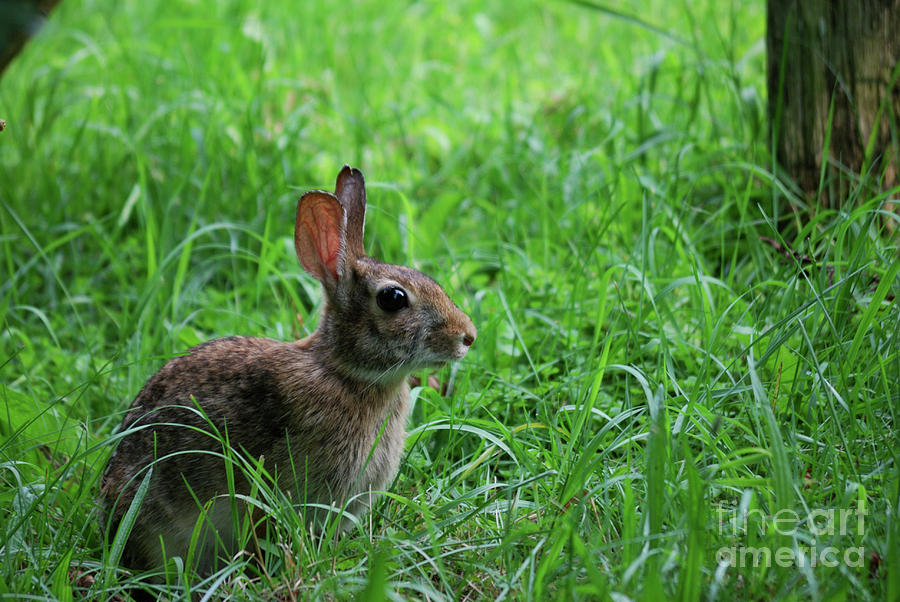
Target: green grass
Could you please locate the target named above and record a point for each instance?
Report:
(652, 382)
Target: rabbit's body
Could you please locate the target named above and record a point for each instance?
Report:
(326, 414)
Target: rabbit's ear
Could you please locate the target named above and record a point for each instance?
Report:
(351, 192)
(319, 236)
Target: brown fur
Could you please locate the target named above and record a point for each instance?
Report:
(312, 409)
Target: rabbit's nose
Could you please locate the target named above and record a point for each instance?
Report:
(466, 330)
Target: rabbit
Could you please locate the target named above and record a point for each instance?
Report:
(326, 414)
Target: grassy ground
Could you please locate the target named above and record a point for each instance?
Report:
(659, 401)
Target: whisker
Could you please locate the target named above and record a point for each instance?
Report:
(387, 370)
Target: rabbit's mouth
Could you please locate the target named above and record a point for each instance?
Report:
(449, 351)
(447, 345)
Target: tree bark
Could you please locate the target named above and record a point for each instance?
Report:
(19, 20)
(840, 52)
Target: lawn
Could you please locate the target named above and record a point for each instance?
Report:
(663, 399)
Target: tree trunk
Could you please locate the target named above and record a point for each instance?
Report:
(19, 20)
(845, 53)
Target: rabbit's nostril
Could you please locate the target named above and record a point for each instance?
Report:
(468, 340)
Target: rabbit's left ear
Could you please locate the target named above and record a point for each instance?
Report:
(319, 236)
(350, 190)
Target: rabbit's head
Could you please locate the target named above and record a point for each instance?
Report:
(381, 321)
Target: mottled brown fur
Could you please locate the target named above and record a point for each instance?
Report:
(311, 409)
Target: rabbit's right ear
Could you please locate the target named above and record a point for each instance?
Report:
(319, 236)
(350, 190)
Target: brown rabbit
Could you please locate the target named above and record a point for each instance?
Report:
(326, 414)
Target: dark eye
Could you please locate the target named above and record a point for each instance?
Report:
(392, 298)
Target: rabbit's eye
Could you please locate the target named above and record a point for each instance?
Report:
(392, 298)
